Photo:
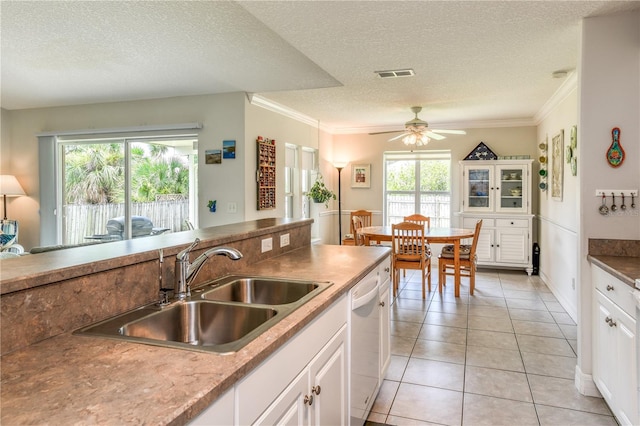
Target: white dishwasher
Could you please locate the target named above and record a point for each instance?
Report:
(365, 346)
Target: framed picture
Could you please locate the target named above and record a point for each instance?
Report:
(361, 176)
(213, 156)
(557, 165)
(229, 149)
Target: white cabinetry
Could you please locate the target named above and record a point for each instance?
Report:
(385, 318)
(614, 345)
(499, 193)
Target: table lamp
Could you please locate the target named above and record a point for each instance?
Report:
(9, 187)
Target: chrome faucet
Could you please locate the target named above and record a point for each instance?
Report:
(186, 271)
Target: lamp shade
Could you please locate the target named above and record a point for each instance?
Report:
(10, 187)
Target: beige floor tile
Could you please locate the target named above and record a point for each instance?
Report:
(520, 294)
(385, 397)
(535, 328)
(549, 365)
(400, 314)
(535, 304)
(412, 294)
(437, 374)
(547, 296)
(502, 359)
(554, 306)
(377, 417)
(574, 345)
(428, 404)
(397, 365)
(562, 393)
(553, 416)
(492, 339)
(448, 308)
(485, 410)
(482, 290)
(402, 345)
(487, 301)
(490, 324)
(563, 318)
(404, 421)
(441, 333)
(544, 345)
(405, 329)
(569, 331)
(488, 311)
(530, 315)
(439, 351)
(497, 383)
(448, 320)
(413, 304)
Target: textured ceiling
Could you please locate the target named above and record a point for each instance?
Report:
(474, 61)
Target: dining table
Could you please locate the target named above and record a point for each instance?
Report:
(442, 235)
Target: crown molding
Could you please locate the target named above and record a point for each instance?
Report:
(272, 106)
(566, 88)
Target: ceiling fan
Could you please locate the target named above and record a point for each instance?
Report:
(417, 131)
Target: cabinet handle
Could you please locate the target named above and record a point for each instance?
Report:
(387, 269)
(382, 304)
(316, 390)
(308, 399)
(609, 287)
(610, 321)
(512, 223)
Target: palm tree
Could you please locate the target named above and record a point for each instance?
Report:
(94, 174)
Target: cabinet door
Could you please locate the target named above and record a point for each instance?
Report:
(604, 342)
(328, 375)
(512, 245)
(290, 407)
(385, 329)
(512, 186)
(484, 249)
(478, 188)
(626, 395)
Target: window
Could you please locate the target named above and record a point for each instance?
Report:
(418, 183)
(291, 152)
(112, 188)
(309, 164)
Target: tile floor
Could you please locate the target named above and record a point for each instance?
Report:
(504, 356)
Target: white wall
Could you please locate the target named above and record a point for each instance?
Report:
(608, 96)
(558, 219)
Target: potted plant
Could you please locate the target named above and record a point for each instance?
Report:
(319, 193)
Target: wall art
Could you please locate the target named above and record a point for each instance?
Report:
(213, 156)
(361, 176)
(615, 153)
(557, 165)
(229, 149)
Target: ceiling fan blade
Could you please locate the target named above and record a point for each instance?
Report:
(389, 131)
(435, 136)
(451, 132)
(397, 137)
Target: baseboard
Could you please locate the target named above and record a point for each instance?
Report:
(585, 384)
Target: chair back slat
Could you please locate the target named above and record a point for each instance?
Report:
(365, 218)
(425, 221)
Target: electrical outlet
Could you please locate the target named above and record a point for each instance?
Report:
(284, 240)
(232, 208)
(573, 283)
(267, 244)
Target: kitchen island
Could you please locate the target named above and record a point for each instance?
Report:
(65, 378)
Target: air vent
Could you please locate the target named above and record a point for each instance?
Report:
(396, 73)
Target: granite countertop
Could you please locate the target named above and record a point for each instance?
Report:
(72, 379)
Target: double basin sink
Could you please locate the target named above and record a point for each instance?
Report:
(221, 316)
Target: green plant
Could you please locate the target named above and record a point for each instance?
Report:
(319, 192)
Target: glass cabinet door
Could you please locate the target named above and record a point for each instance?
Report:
(512, 184)
(478, 188)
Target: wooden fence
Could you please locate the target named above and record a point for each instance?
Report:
(83, 221)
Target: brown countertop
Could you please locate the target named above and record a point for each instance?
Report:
(72, 379)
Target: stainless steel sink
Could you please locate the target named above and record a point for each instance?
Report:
(260, 290)
(221, 316)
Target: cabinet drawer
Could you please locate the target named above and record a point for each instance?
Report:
(515, 223)
(470, 222)
(620, 293)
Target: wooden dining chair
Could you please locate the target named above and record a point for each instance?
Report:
(365, 217)
(425, 221)
(356, 224)
(408, 242)
(468, 261)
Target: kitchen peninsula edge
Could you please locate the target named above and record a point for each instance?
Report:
(65, 378)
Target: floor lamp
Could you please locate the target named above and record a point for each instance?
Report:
(339, 166)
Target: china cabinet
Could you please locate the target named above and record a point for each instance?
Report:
(499, 193)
